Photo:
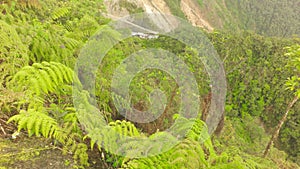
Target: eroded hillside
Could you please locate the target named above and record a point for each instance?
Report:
(271, 18)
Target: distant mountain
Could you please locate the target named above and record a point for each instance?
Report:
(266, 17)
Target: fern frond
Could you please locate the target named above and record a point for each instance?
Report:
(125, 128)
(39, 123)
(59, 13)
(35, 122)
(13, 53)
(51, 73)
(34, 4)
(70, 43)
(67, 73)
(49, 44)
(189, 153)
(31, 126)
(42, 78)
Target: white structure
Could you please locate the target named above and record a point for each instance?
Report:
(145, 35)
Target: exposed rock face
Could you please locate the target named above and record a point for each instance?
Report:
(193, 13)
(189, 7)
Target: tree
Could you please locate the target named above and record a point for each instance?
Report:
(292, 84)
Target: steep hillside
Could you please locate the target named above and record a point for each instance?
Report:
(193, 13)
(186, 9)
(270, 18)
(266, 17)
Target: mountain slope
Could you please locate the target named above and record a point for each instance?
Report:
(266, 17)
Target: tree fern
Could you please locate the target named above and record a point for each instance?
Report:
(48, 35)
(38, 82)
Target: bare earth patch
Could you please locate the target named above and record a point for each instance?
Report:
(35, 153)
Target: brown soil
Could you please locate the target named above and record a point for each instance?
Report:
(192, 11)
(31, 153)
(37, 153)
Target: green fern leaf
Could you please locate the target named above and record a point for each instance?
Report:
(14, 118)
(37, 127)
(51, 73)
(60, 12)
(46, 80)
(30, 125)
(22, 124)
(58, 72)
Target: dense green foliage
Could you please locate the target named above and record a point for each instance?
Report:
(291, 132)
(293, 52)
(257, 74)
(273, 18)
(40, 42)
